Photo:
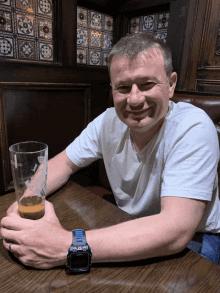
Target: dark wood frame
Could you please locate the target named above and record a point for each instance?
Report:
(4, 147)
(200, 67)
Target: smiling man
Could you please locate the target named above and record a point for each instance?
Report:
(161, 160)
(141, 91)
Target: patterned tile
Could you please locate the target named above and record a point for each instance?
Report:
(105, 58)
(149, 22)
(45, 29)
(25, 5)
(162, 35)
(95, 20)
(5, 2)
(82, 56)
(26, 49)
(82, 16)
(108, 23)
(5, 21)
(6, 47)
(46, 52)
(45, 7)
(95, 39)
(82, 37)
(22, 23)
(135, 25)
(107, 41)
(163, 20)
(94, 36)
(25, 25)
(94, 57)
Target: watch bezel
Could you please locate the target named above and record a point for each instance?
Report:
(74, 250)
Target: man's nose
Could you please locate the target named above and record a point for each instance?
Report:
(135, 96)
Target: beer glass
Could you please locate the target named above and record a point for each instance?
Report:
(29, 170)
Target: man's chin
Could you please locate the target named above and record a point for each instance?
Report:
(139, 125)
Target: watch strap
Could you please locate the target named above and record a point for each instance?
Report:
(79, 237)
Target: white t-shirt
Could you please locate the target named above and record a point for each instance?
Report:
(180, 160)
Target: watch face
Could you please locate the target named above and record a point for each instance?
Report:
(79, 260)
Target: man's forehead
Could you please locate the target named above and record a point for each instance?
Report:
(152, 55)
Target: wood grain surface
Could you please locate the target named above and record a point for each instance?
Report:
(76, 207)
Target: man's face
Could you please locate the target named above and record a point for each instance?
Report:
(141, 89)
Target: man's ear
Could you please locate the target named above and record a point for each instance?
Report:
(172, 83)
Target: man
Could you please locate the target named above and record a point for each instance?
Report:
(161, 160)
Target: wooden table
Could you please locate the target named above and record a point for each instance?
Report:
(78, 208)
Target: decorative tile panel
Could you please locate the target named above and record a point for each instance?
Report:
(26, 30)
(94, 37)
(95, 20)
(26, 5)
(94, 57)
(45, 28)
(105, 58)
(5, 21)
(107, 41)
(149, 22)
(82, 16)
(162, 35)
(135, 25)
(45, 7)
(82, 37)
(155, 24)
(108, 23)
(82, 56)
(25, 25)
(46, 52)
(6, 47)
(163, 20)
(5, 2)
(26, 49)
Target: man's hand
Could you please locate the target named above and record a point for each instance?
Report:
(42, 243)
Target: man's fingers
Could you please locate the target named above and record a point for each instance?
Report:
(13, 247)
(9, 235)
(14, 222)
(13, 208)
(48, 206)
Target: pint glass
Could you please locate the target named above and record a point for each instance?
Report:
(29, 172)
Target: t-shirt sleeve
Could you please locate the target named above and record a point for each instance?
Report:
(191, 162)
(86, 148)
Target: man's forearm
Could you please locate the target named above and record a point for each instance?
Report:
(59, 170)
(55, 178)
(137, 239)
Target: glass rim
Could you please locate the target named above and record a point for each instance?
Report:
(26, 142)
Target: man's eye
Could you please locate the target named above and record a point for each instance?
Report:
(123, 89)
(147, 85)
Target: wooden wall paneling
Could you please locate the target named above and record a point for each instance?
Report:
(68, 32)
(209, 63)
(191, 45)
(4, 154)
(52, 113)
(208, 58)
(132, 5)
(176, 31)
(208, 86)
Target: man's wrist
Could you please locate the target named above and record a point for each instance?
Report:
(68, 241)
(79, 253)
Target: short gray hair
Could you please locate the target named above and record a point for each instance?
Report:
(133, 44)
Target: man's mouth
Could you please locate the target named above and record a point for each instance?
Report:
(141, 113)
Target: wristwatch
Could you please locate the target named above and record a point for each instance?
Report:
(79, 254)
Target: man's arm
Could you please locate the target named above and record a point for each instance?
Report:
(163, 234)
(59, 170)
